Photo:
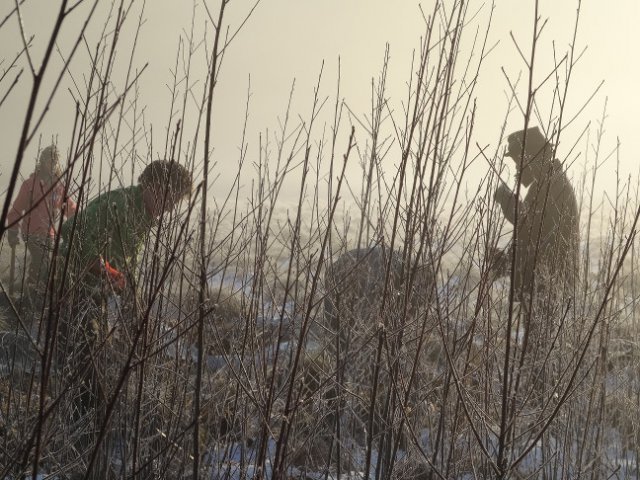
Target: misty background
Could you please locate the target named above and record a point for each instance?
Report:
(285, 45)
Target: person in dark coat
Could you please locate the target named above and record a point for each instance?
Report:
(547, 220)
(547, 251)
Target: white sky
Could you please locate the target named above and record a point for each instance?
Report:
(287, 40)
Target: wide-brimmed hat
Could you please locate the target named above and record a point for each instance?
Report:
(535, 141)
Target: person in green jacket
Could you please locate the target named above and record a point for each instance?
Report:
(102, 243)
(110, 232)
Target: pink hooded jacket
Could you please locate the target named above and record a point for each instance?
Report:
(42, 220)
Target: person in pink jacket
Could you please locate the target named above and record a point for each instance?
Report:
(36, 212)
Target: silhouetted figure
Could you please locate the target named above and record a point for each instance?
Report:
(375, 306)
(358, 281)
(36, 212)
(546, 255)
(547, 220)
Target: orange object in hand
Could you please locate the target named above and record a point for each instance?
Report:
(115, 276)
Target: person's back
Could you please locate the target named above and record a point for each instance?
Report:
(545, 270)
(355, 285)
(548, 232)
(358, 281)
(110, 227)
(36, 211)
(37, 207)
(547, 220)
(368, 299)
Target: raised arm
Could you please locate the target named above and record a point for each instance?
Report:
(507, 201)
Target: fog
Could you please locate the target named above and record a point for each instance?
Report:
(285, 45)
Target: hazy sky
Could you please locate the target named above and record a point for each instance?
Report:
(287, 40)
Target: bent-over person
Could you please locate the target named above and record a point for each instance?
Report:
(103, 244)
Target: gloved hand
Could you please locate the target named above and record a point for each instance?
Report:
(12, 237)
(503, 194)
(116, 277)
